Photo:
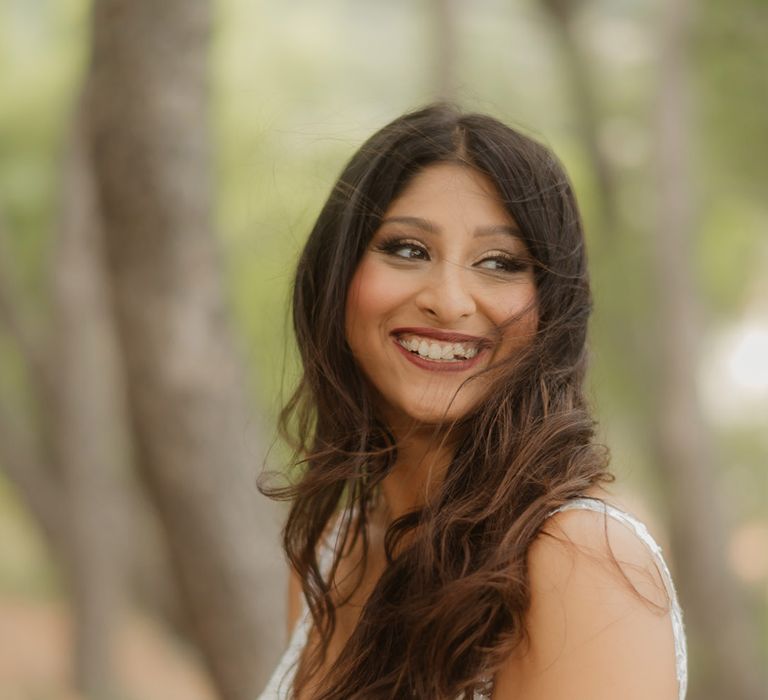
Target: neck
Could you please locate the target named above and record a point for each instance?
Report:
(423, 455)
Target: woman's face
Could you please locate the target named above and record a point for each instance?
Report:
(444, 271)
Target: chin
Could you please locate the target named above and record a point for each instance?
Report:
(431, 414)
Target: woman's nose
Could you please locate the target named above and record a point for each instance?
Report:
(445, 294)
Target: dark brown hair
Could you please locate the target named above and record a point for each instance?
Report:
(450, 606)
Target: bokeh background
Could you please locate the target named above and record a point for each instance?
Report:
(161, 165)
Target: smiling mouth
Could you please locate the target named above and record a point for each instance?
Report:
(438, 351)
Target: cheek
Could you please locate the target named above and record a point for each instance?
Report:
(517, 313)
(372, 298)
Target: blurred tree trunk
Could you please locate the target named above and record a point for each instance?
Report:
(148, 106)
(579, 81)
(86, 421)
(725, 651)
(118, 539)
(64, 456)
(444, 21)
(68, 454)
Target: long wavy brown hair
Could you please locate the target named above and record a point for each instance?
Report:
(450, 606)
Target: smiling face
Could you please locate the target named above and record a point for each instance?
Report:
(430, 303)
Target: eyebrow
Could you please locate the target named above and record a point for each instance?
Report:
(430, 227)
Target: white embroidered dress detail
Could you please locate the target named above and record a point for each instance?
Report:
(280, 685)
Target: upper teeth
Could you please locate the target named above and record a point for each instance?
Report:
(437, 351)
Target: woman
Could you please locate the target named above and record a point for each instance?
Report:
(450, 534)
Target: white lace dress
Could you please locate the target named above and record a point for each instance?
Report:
(279, 686)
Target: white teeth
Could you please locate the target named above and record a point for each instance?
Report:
(438, 351)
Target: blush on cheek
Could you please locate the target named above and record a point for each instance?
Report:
(360, 307)
(519, 334)
(353, 295)
(372, 295)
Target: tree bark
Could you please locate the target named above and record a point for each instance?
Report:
(724, 643)
(67, 454)
(149, 131)
(86, 421)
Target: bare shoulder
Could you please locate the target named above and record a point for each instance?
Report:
(601, 546)
(599, 622)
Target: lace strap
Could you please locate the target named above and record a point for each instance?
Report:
(676, 615)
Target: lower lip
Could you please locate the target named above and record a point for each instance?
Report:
(437, 365)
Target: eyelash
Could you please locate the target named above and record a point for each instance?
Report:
(509, 263)
(391, 245)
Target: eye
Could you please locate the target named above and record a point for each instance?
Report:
(503, 262)
(403, 248)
